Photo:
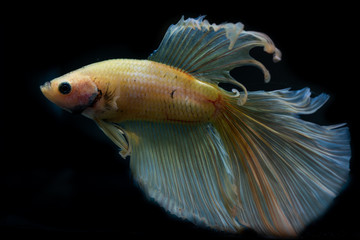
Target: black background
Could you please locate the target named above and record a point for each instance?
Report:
(59, 173)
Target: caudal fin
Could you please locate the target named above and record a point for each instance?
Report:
(287, 170)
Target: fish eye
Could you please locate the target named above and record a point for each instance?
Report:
(64, 88)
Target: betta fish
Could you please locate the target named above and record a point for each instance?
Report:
(228, 160)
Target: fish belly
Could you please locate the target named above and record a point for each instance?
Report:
(153, 91)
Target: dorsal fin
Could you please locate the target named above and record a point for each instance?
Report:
(210, 51)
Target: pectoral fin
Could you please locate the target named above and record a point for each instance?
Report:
(117, 135)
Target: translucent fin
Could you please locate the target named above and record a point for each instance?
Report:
(288, 170)
(210, 51)
(117, 135)
(186, 170)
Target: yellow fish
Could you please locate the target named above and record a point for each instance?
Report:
(225, 160)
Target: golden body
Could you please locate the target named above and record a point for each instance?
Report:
(151, 91)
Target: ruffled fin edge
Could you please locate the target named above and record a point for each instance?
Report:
(232, 32)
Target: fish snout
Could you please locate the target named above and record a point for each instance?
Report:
(45, 86)
(46, 90)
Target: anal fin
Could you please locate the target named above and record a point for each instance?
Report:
(186, 170)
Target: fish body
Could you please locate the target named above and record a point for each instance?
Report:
(226, 160)
(150, 91)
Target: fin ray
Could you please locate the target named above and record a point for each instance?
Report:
(185, 170)
(210, 51)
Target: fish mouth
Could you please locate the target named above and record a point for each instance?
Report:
(45, 86)
(46, 89)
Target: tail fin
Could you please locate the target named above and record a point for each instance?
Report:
(288, 170)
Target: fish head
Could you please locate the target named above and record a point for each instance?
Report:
(73, 92)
